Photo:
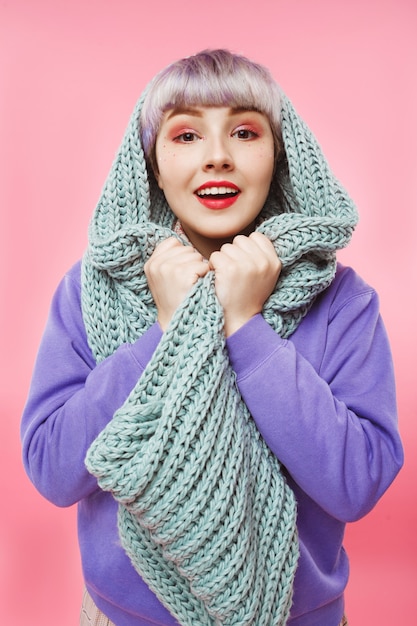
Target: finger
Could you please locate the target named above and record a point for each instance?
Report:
(241, 250)
(167, 244)
(201, 270)
(177, 254)
(218, 259)
(262, 242)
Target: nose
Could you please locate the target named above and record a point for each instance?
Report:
(218, 155)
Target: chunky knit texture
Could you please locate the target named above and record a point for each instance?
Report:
(205, 513)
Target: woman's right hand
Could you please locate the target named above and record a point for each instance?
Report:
(171, 272)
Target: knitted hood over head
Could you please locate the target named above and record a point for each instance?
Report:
(205, 513)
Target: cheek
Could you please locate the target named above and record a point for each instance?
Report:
(264, 164)
(267, 151)
(166, 160)
(260, 159)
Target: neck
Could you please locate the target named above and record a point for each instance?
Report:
(207, 245)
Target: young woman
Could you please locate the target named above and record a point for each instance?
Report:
(213, 389)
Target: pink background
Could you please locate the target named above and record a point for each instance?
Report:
(70, 74)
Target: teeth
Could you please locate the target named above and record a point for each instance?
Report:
(215, 191)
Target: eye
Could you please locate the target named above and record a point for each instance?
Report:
(245, 134)
(186, 137)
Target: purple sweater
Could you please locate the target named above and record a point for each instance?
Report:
(324, 401)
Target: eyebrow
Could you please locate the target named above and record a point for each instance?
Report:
(184, 111)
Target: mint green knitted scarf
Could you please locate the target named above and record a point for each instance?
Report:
(205, 513)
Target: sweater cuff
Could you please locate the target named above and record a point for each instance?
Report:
(251, 345)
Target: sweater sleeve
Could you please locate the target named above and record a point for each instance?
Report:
(325, 402)
(71, 399)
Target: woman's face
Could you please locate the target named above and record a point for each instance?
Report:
(215, 166)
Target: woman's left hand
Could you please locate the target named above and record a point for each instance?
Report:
(246, 272)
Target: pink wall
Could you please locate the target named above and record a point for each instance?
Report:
(70, 74)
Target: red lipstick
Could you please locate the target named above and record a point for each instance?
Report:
(217, 194)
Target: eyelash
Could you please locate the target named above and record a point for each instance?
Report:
(181, 137)
(250, 134)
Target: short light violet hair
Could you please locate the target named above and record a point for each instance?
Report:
(209, 78)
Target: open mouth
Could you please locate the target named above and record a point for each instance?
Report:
(219, 192)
